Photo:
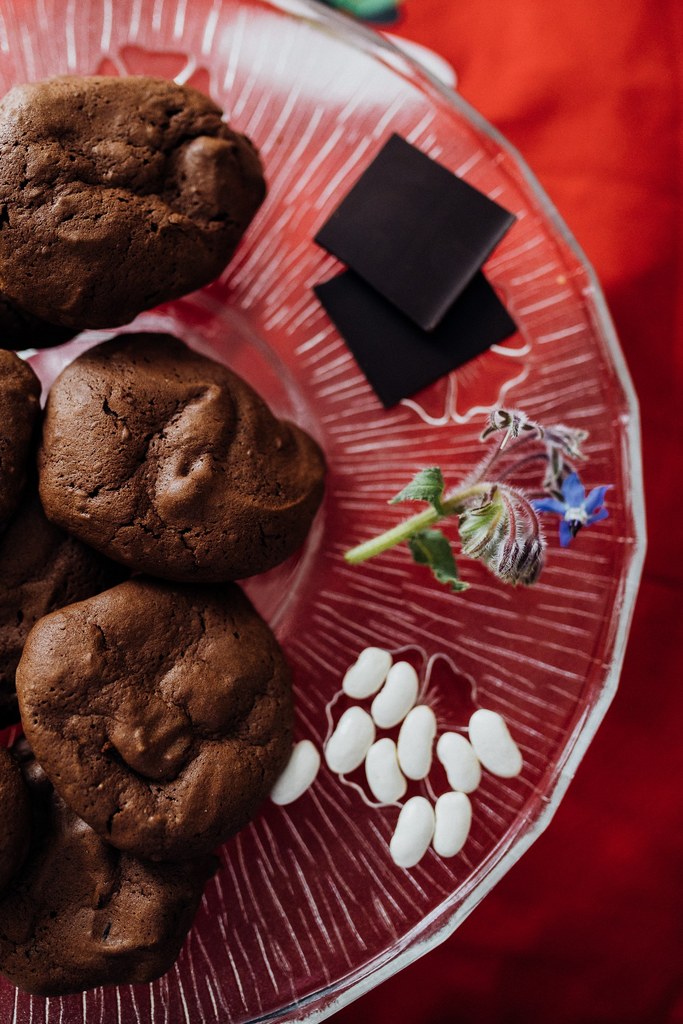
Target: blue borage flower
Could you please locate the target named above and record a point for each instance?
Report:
(577, 510)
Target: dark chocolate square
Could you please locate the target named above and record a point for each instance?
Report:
(399, 358)
(414, 231)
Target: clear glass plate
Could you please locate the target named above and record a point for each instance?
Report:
(308, 910)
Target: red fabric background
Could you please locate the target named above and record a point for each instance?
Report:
(588, 927)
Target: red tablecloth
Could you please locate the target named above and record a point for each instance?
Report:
(588, 927)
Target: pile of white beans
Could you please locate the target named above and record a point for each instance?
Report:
(390, 765)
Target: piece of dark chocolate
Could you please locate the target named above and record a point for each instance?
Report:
(414, 231)
(396, 356)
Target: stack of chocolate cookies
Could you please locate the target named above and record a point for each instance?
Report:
(156, 704)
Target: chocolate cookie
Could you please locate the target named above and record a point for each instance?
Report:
(81, 914)
(19, 412)
(15, 821)
(117, 194)
(20, 330)
(162, 714)
(41, 569)
(169, 463)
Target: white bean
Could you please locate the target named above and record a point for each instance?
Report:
(299, 774)
(460, 761)
(397, 696)
(413, 832)
(350, 741)
(385, 780)
(493, 744)
(453, 818)
(415, 742)
(368, 673)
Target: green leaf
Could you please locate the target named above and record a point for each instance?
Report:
(432, 548)
(427, 485)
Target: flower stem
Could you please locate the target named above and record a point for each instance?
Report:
(487, 464)
(522, 463)
(454, 504)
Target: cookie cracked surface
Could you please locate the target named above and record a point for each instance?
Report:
(171, 464)
(41, 569)
(80, 913)
(117, 194)
(162, 714)
(20, 330)
(19, 414)
(15, 822)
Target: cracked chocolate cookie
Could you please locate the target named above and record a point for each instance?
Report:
(182, 471)
(162, 714)
(41, 569)
(15, 822)
(19, 412)
(117, 194)
(80, 914)
(19, 330)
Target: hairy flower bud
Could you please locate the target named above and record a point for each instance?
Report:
(566, 439)
(514, 422)
(504, 533)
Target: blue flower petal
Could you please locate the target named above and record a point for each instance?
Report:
(595, 498)
(573, 491)
(597, 517)
(566, 535)
(549, 505)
